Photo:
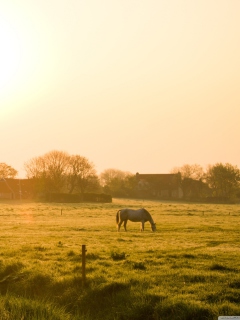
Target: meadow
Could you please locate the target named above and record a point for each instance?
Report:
(187, 269)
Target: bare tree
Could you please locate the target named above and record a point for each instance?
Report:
(108, 175)
(57, 171)
(192, 177)
(50, 170)
(194, 171)
(57, 163)
(7, 171)
(35, 167)
(117, 182)
(81, 174)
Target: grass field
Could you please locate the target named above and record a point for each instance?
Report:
(188, 269)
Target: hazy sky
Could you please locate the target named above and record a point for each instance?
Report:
(139, 86)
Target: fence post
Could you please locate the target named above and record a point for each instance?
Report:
(84, 264)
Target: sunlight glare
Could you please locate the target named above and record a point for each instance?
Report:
(10, 54)
(21, 62)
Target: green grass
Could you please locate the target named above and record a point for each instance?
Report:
(188, 269)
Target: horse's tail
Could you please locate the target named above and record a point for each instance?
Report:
(117, 216)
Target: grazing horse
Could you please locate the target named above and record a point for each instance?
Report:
(140, 215)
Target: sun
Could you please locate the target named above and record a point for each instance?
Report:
(10, 54)
(27, 57)
(19, 56)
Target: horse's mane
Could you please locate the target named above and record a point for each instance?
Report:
(148, 214)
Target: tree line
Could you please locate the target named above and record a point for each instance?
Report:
(219, 181)
(60, 172)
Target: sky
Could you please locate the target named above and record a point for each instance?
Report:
(139, 86)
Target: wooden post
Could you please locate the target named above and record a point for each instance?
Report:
(84, 264)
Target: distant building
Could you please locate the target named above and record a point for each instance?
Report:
(159, 186)
(17, 188)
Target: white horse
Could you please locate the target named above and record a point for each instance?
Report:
(140, 215)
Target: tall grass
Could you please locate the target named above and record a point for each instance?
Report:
(188, 269)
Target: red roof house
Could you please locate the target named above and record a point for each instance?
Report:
(160, 186)
(16, 188)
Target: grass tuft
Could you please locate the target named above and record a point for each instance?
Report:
(219, 267)
(235, 284)
(40, 248)
(15, 308)
(10, 269)
(188, 256)
(180, 309)
(138, 265)
(118, 255)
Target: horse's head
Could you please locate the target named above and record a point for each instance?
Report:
(154, 228)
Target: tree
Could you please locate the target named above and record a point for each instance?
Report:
(117, 182)
(81, 174)
(192, 177)
(130, 185)
(194, 171)
(50, 170)
(224, 179)
(7, 171)
(108, 175)
(35, 167)
(57, 171)
(57, 163)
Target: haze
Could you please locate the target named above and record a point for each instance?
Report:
(140, 86)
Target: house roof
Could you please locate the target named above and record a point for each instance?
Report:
(171, 180)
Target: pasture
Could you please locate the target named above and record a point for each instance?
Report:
(187, 269)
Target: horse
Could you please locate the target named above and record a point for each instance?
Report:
(140, 215)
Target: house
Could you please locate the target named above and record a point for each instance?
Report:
(159, 186)
(16, 188)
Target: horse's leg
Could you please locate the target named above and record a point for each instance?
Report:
(125, 225)
(142, 229)
(119, 224)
